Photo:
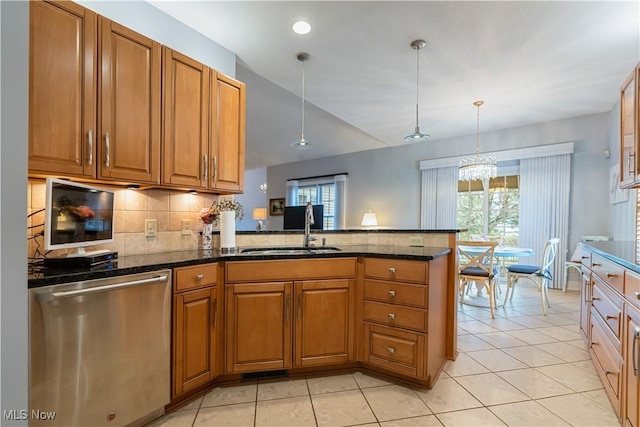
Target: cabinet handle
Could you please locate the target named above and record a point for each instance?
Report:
(392, 293)
(609, 317)
(299, 305)
(199, 277)
(391, 350)
(637, 295)
(286, 308)
(206, 169)
(611, 275)
(595, 298)
(215, 169)
(596, 264)
(107, 143)
(636, 353)
(392, 316)
(90, 144)
(392, 270)
(585, 257)
(608, 372)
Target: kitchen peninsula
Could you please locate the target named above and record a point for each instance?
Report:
(391, 307)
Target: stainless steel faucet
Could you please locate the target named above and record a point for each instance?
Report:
(308, 222)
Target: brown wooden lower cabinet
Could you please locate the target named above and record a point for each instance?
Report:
(632, 368)
(195, 344)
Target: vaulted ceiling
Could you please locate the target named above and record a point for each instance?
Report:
(530, 61)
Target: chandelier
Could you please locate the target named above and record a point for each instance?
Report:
(478, 167)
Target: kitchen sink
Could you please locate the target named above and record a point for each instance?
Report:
(297, 250)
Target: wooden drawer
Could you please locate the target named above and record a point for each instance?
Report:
(608, 305)
(398, 293)
(396, 315)
(395, 350)
(290, 269)
(394, 269)
(610, 272)
(606, 360)
(196, 276)
(632, 288)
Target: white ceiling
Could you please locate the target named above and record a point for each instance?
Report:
(530, 61)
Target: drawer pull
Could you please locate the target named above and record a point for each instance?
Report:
(596, 298)
(199, 277)
(392, 270)
(392, 316)
(637, 295)
(596, 264)
(608, 372)
(610, 317)
(392, 293)
(611, 275)
(391, 350)
(585, 257)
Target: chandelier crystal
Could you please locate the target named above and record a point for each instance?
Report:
(478, 167)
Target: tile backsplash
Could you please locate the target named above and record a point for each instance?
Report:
(132, 207)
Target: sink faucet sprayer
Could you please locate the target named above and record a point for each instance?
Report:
(308, 222)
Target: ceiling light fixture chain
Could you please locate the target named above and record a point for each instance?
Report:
(417, 135)
(302, 57)
(478, 167)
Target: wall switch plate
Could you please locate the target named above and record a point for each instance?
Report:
(185, 227)
(416, 241)
(150, 228)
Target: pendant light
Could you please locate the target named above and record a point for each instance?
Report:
(417, 136)
(302, 144)
(478, 167)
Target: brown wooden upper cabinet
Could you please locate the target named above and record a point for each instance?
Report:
(629, 110)
(62, 89)
(185, 140)
(96, 110)
(227, 133)
(129, 114)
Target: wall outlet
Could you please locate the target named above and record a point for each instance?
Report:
(416, 241)
(150, 228)
(185, 227)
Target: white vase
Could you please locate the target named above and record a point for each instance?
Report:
(227, 230)
(207, 236)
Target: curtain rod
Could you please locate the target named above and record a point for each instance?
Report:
(319, 176)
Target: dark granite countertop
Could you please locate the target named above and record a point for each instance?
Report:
(621, 252)
(155, 261)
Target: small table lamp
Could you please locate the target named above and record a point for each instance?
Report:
(260, 214)
(369, 220)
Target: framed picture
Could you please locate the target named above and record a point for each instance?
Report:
(276, 206)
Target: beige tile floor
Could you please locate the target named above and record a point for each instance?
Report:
(519, 369)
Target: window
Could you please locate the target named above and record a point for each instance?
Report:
(320, 194)
(329, 191)
(490, 210)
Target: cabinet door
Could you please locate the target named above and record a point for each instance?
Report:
(632, 368)
(194, 331)
(628, 131)
(185, 111)
(129, 114)
(62, 89)
(324, 322)
(227, 134)
(258, 326)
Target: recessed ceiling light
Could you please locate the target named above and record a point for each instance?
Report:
(301, 27)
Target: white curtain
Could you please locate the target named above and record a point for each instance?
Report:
(291, 197)
(544, 208)
(439, 198)
(340, 201)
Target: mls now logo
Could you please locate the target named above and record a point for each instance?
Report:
(23, 414)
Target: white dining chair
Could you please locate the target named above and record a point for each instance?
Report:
(476, 265)
(575, 262)
(539, 274)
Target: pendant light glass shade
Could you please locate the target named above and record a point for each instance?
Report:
(478, 167)
(302, 144)
(417, 135)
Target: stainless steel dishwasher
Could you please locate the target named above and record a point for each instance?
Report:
(100, 351)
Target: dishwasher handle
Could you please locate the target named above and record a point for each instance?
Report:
(96, 289)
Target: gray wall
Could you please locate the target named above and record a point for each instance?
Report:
(13, 206)
(387, 180)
